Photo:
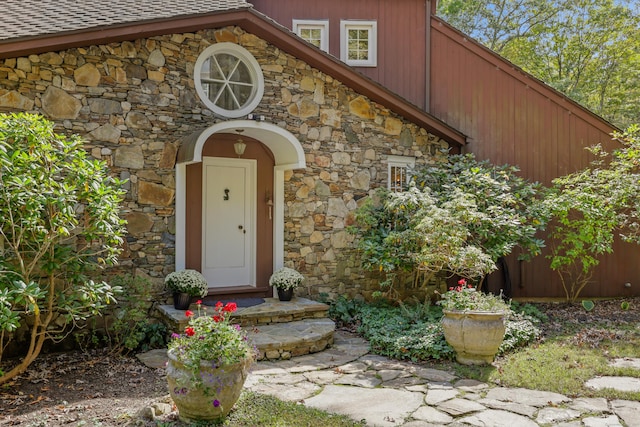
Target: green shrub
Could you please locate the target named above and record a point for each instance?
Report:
(133, 329)
(414, 331)
(59, 223)
(590, 208)
(458, 217)
(520, 330)
(343, 310)
(529, 310)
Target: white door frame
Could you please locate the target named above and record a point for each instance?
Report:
(288, 154)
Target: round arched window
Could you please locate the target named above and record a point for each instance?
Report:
(229, 80)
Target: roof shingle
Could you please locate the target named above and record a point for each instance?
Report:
(33, 18)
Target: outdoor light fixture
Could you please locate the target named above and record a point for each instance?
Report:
(239, 146)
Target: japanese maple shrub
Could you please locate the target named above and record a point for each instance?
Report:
(59, 221)
(590, 208)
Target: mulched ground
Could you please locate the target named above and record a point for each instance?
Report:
(98, 388)
(606, 319)
(80, 388)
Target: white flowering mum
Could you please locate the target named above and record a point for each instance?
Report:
(286, 278)
(190, 282)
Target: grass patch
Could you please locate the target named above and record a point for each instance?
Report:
(253, 409)
(551, 366)
(559, 366)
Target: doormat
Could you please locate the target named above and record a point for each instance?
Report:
(241, 302)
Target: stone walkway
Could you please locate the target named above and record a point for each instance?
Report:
(346, 379)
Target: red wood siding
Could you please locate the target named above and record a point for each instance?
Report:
(401, 36)
(510, 117)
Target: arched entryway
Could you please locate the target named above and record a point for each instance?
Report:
(229, 208)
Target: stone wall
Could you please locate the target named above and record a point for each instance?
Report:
(132, 101)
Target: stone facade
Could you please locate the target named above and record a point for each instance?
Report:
(132, 101)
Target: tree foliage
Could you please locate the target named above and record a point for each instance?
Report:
(59, 220)
(590, 208)
(458, 217)
(587, 49)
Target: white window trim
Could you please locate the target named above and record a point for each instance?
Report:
(372, 26)
(253, 66)
(401, 162)
(322, 24)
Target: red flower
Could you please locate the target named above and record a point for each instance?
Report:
(462, 282)
(217, 318)
(219, 304)
(230, 307)
(451, 288)
(199, 302)
(188, 313)
(189, 331)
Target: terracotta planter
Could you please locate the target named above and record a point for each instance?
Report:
(475, 336)
(181, 301)
(285, 294)
(213, 399)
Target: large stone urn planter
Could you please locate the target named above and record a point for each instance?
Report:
(210, 399)
(476, 336)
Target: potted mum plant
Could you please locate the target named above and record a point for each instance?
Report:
(208, 364)
(185, 284)
(473, 323)
(285, 280)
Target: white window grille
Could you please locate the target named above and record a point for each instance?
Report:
(358, 43)
(315, 32)
(228, 80)
(399, 172)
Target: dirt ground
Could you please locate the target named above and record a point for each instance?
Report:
(100, 389)
(81, 389)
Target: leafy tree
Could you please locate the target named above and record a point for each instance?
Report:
(590, 208)
(587, 49)
(497, 23)
(459, 217)
(58, 222)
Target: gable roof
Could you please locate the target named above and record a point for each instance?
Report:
(35, 18)
(166, 17)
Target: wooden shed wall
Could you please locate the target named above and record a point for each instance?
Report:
(510, 117)
(402, 35)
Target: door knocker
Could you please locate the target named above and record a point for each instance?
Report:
(226, 194)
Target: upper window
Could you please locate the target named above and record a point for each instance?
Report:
(399, 172)
(315, 32)
(358, 43)
(229, 80)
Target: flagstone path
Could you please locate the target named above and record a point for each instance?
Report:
(346, 379)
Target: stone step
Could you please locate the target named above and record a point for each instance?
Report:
(276, 311)
(287, 340)
(279, 329)
(270, 311)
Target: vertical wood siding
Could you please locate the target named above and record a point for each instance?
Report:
(513, 118)
(401, 36)
(508, 116)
